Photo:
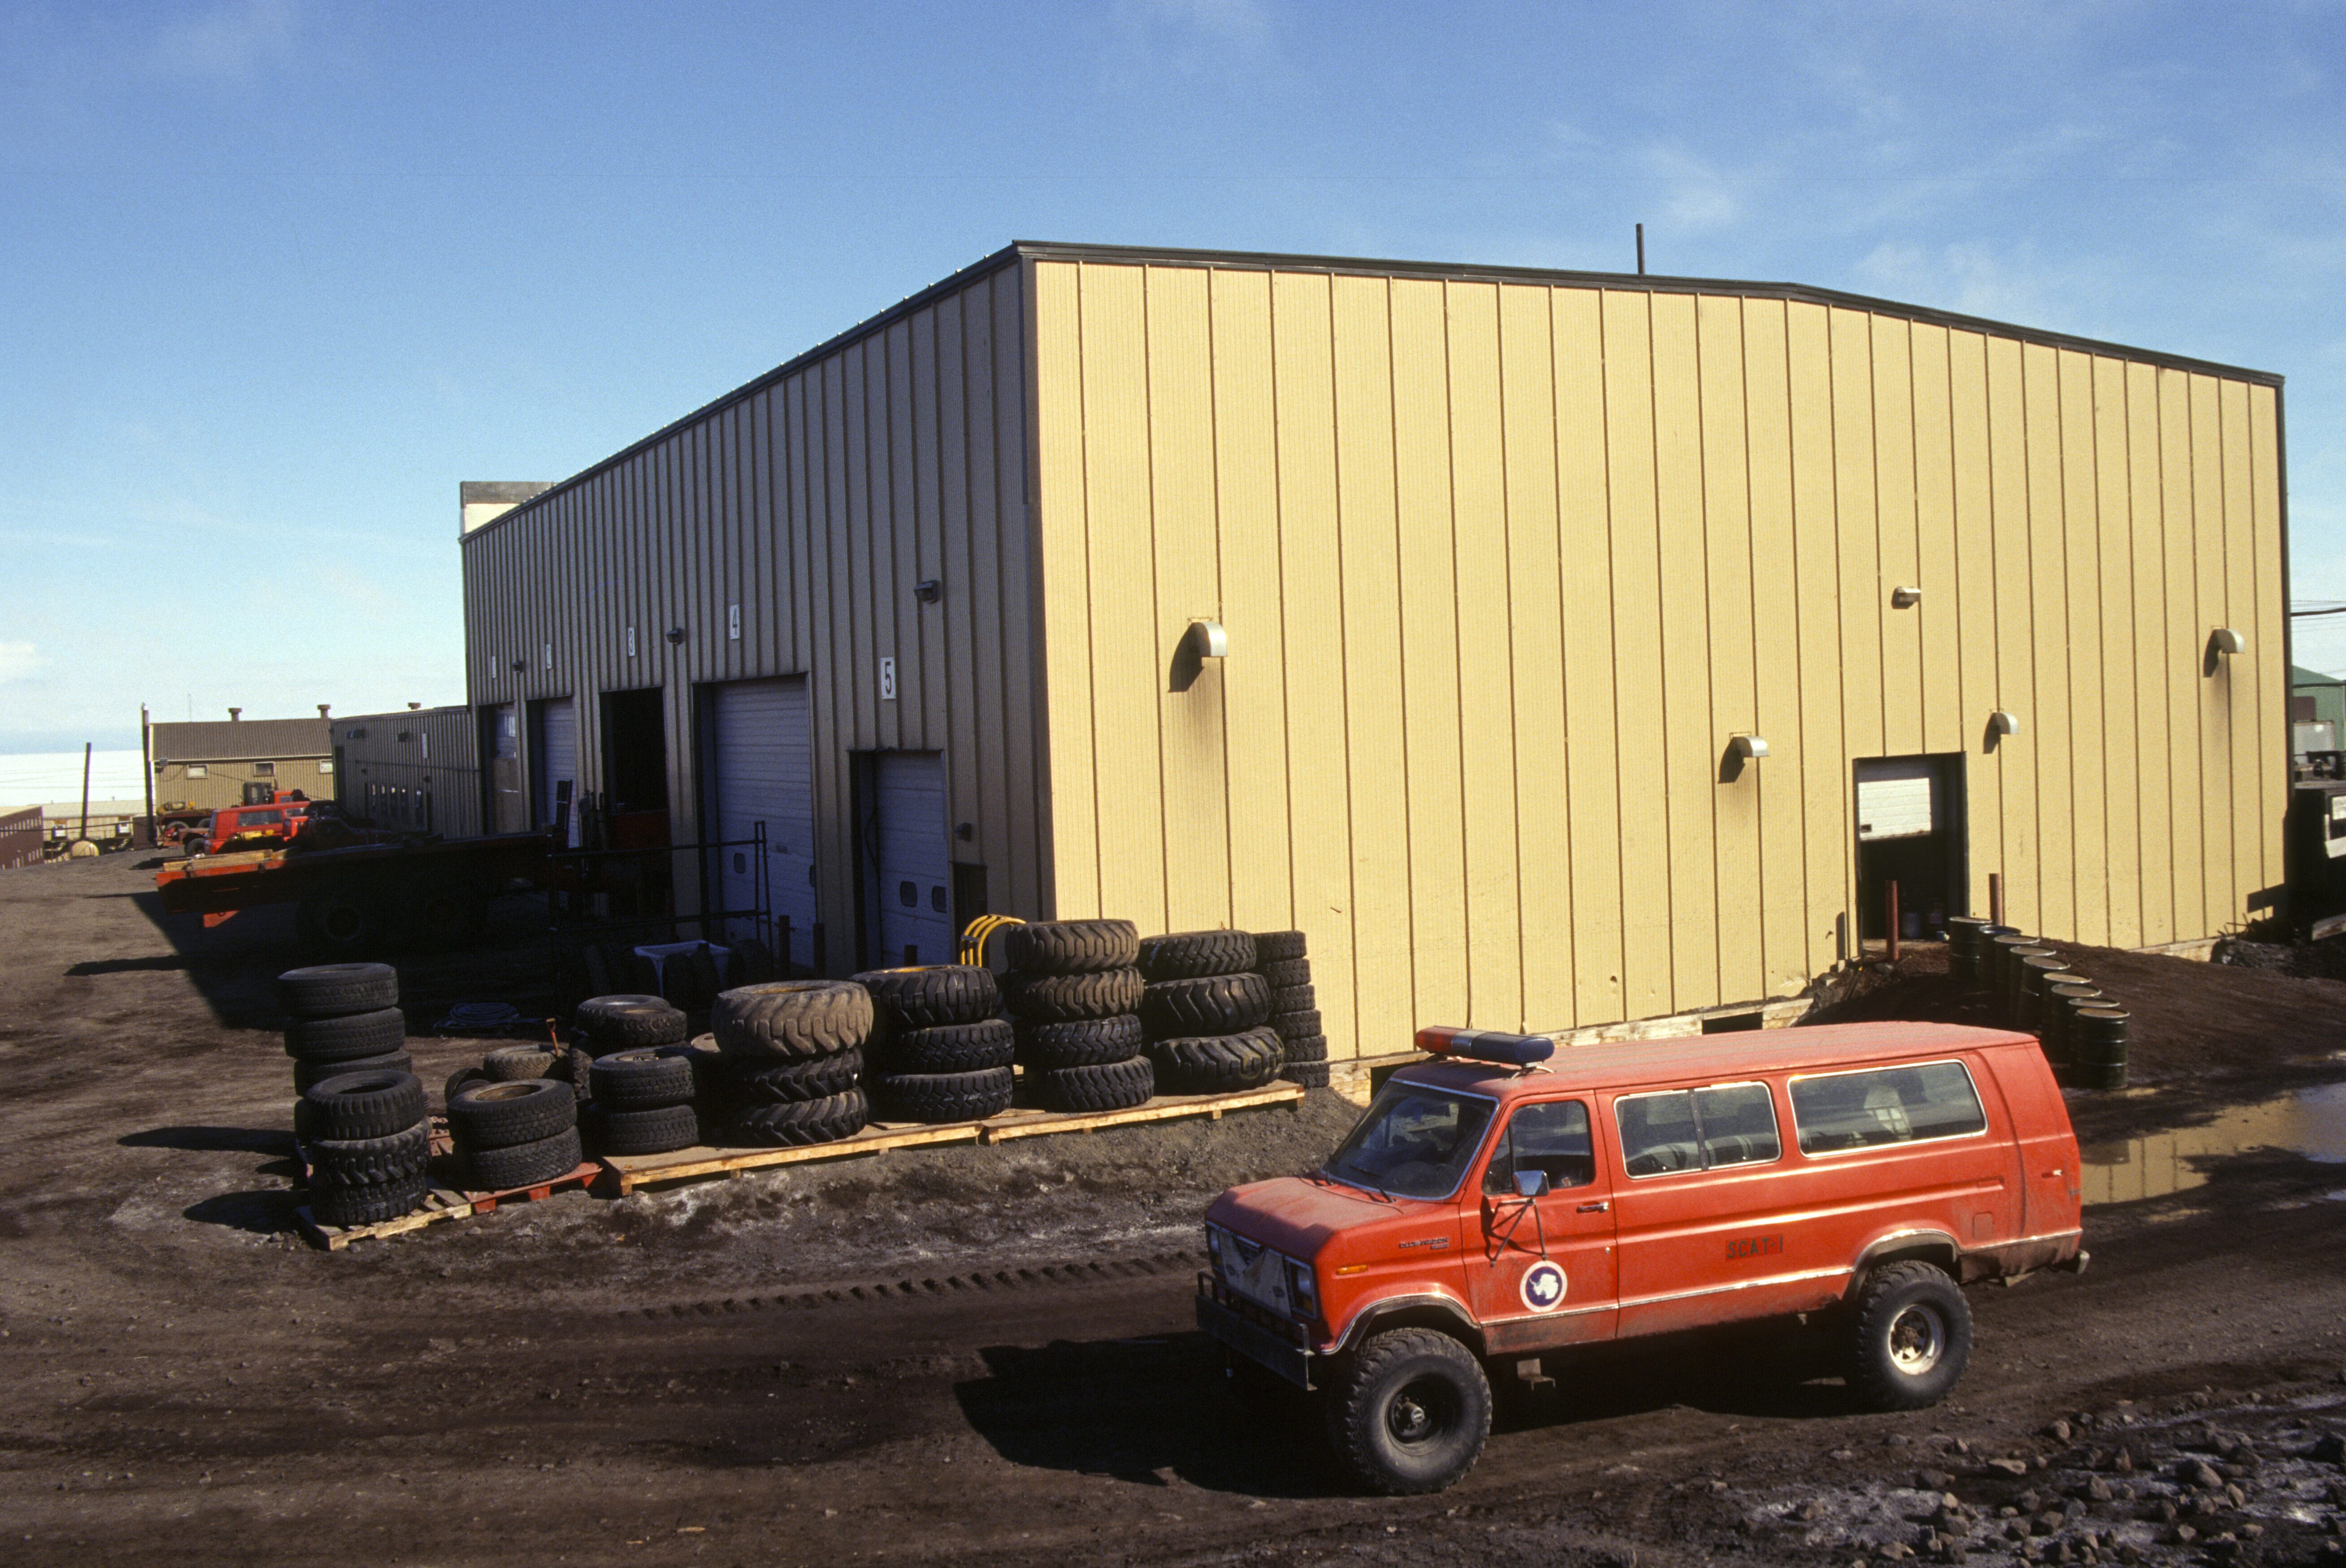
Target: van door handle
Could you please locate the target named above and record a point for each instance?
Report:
(1599, 1207)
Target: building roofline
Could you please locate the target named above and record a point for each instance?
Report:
(1020, 250)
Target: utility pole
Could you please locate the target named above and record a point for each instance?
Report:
(87, 746)
(146, 766)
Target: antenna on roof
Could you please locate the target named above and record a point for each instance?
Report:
(1641, 251)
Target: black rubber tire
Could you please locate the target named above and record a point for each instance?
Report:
(372, 1105)
(644, 1080)
(929, 995)
(333, 989)
(934, 1097)
(1309, 1074)
(1217, 1063)
(631, 1019)
(949, 1048)
(512, 1063)
(355, 1206)
(1085, 1043)
(1098, 1086)
(594, 969)
(751, 965)
(761, 1081)
(500, 1115)
(1296, 1025)
(1910, 1337)
(651, 1130)
(342, 918)
(1210, 1005)
(1285, 973)
(510, 1166)
(459, 1081)
(707, 975)
(1189, 954)
(1304, 1047)
(442, 910)
(1411, 1414)
(680, 985)
(1272, 946)
(308, 1076)
(791, 1020)
(799, 1123)
(1068, 998)
(347, 1036)
(1072, 946)
(385, 1161)
(1293, 999)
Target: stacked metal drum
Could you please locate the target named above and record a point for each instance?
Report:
(2084, 1031)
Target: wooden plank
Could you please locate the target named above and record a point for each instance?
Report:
(444, 1203)
(633, 1171)
(1165, 1107)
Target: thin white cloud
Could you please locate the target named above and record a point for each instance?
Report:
(1154, 39)
(230, 42)
(19, 660)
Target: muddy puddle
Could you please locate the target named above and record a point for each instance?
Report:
(2311, 1123)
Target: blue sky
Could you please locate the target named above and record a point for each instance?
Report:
(280, 273)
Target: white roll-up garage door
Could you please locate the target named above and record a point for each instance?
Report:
(912, 859)
(1897, 798)
(765, 773)
(554, 758)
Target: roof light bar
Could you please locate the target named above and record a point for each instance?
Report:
(1485, 1046)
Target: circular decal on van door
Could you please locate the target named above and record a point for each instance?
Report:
(1543, 1286)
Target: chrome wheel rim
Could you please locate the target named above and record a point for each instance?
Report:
(1918, 1338)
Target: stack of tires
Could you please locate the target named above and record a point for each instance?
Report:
(938, 1051)
(789, 1062)
(508, 1064)
(513, 1135)
(1075, 992)
(1283, 962)
(342, 1018)
(1203, 1012)
(644, 1101)
(368, 1145)
(629, 1020)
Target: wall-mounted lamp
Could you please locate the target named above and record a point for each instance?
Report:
(928, 590)
(1206, 639)
(2224, 640)
(675, 634)
(1749, 747)
(1905, 598)
(2003, 723)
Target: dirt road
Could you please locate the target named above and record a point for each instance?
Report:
(986, 1355)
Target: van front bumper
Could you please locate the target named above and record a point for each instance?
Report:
(1249, 1331)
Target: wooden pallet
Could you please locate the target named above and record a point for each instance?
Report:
(633, 1171)
(444, 1203)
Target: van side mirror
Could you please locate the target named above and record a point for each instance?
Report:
(1531, 1184)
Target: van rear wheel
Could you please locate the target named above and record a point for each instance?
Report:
(1411, 1414)
(1912, 1338)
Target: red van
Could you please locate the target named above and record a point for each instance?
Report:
(1501, 1201)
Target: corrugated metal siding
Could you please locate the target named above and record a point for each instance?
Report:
(813, 501)
(391, 763)
(1503, 564)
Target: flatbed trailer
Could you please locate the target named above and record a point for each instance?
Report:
(356, 899)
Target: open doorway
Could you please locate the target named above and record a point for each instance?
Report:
(634, 752)
(1910, 817)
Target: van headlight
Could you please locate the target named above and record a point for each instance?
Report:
(1302, 1288)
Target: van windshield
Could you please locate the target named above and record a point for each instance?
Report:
(1415, 1142)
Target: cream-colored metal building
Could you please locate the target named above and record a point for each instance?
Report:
(411, 771)
(1516, 575)
(203, 766)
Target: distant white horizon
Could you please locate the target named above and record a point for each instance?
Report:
(54, 778)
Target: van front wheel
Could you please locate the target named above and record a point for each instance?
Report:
(1913, 1337)
(1412, 1412)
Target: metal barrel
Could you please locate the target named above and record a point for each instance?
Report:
(2034, 975)
(1962, 946)
(2015, 957)
(2100, 1035)
(2063, 994)
(1996, 962)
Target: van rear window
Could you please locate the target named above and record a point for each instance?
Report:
(1880, 1105)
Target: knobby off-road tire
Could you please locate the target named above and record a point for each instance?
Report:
(1072, 946)
(347, 1037)
(308, 1076)
(1187, 954)
(1285, 973)
(1217, 1063)
(653, 1130)
(791, 1020)
(1276, 946)
(1910, 1337)
(1305, 1047)
(387, 1161)
(333, 990)
(363, 1105)
(1211, 1004)
(1309, 1074)
(1069, 998)
(349, 1206)
(747, 1081)
(512, 1063)
(511, 1166)
(927, 995)
(649, 1079)
(1293, 999)
(501, 1115)
(1412, 1412)
(934, 1097)
(1295, 1024)
(1102, 1086)
(631, 1019)
(1085, 1043)
(950, 1048)
(799, 1123)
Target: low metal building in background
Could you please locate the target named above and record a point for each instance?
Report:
(414, 771)
(1552, 648)
(202, 767)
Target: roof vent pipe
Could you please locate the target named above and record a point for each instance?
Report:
(235, 714)
(413, 705)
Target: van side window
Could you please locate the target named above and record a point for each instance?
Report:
(1551, 1136)
(1885, 1105)
(1697, 1129)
